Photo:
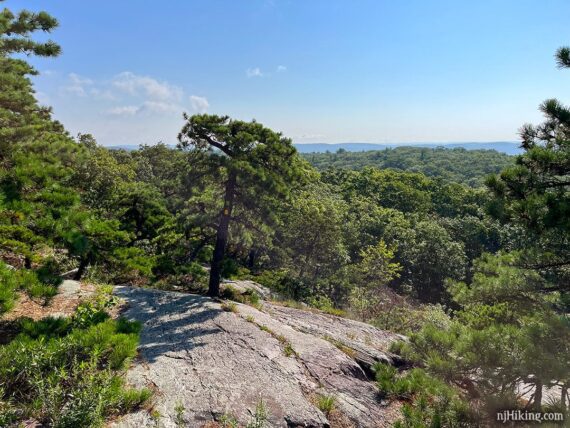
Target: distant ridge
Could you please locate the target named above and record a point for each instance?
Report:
(508, 147)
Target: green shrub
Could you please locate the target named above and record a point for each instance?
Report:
(252, 298)
(63, 373)
(241, 273)
(280, 282)
(94, 311)
(230, 293)
(131, 264)
(47, 328)
(406, 319)
(8, 286)
(7, 298)
(230, 268)
(8, 412)
(326, 305)
(249, 297)
(30, 282)
(385, 378)
(430, 401)
(41, 284)
(41, 291)
(48, 273)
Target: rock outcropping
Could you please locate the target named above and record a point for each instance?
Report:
(208, 361)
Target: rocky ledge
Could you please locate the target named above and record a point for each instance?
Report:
(210, 361)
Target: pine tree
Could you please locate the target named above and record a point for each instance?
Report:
(20, 115)
(535, 193)
(251, 163)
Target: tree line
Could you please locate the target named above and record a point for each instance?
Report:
(456, 164)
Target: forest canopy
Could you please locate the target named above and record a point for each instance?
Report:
(457, 164)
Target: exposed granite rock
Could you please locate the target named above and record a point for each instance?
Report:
(214, 363)
(369, 344)
(243, 286)
(69, 288)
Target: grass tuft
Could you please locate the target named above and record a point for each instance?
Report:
(326, 403)
(229, 307)
(260, 416)
(341, 347)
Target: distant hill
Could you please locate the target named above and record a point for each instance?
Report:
(510, 148)
(457, 164)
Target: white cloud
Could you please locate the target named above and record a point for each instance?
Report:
(131, 95)
(78, 84)
(124, 111)
(253, 72)
(146, 107)
(281, 69)
(134, 84)
(159, 107)
(199, 104)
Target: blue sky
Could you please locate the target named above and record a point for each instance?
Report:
(319, 71)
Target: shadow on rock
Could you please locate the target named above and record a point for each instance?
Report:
(171, 322)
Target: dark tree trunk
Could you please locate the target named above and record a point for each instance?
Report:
(251, 259)
(538, 396)
(222, 236)
(83, 263)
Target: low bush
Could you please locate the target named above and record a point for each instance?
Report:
(279, 281)
(40, 284)
(66, 373)
(249, 297)
(406, 319)
(230, 293)
(8, 286)
(429, 401)
(132, 265)
(326, 305)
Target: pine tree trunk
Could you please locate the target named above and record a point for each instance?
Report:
(538, 396)
(81, 269)
(251, 259)
(222, 236)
